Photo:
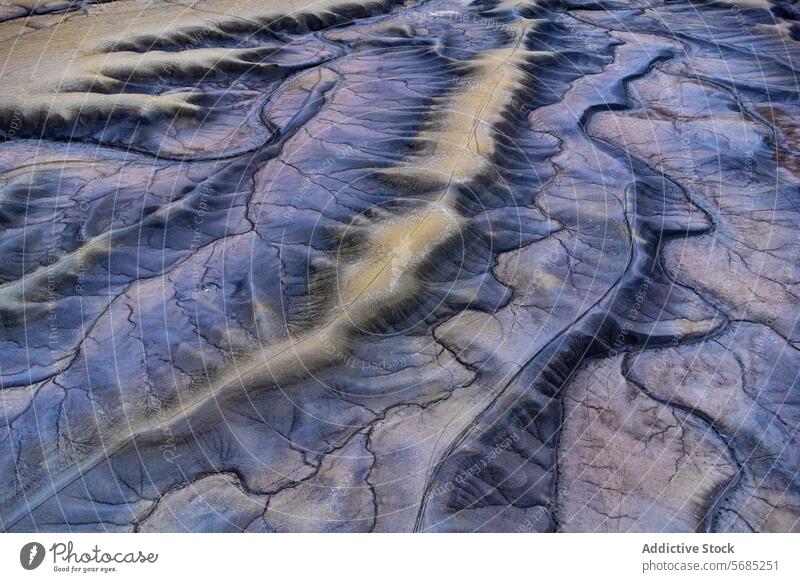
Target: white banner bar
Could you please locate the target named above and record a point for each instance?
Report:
(354, 557)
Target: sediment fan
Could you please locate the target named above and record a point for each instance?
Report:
(397, 265)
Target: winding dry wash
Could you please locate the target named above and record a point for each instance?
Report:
(399, 265)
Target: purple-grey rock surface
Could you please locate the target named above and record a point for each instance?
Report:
(400, 265)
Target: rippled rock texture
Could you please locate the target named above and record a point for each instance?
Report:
(430, 265)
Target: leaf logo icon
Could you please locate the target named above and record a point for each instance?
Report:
(31, 555)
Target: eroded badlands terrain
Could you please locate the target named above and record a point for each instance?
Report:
(422, 265)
